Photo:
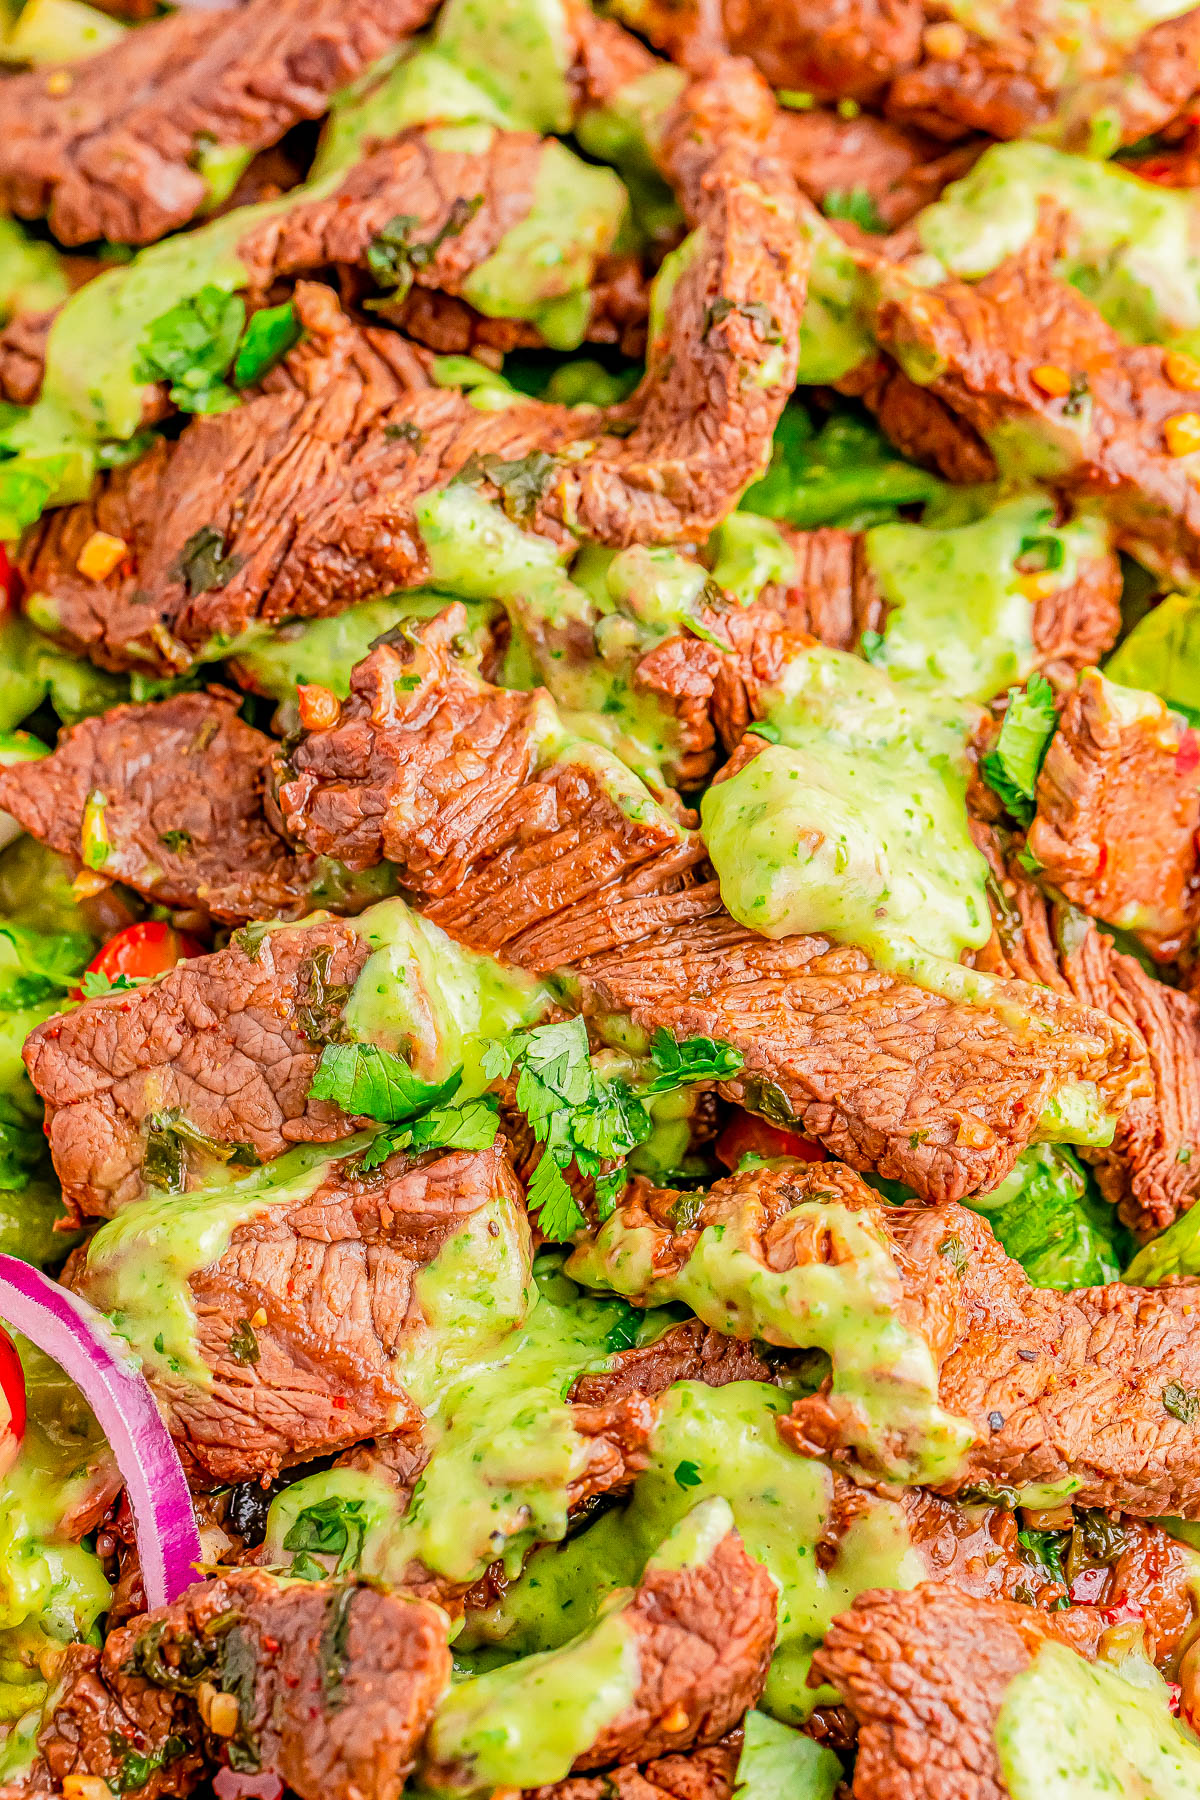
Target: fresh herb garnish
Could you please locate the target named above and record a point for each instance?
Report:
(243, 1344)
(522, 483)
(175, 841)
(579, 1117)
(1044, 1550)
(394, 255)
(1181, 1403)
(687, 1475)
(376, 1084)
(856, 205)
(1012, 768)
(202, 563)
(95, 984)
(268, 337)
(459, 1125)
(191, 346)
(330, 1527)
(333, 1654)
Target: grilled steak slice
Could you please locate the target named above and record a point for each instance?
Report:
(180, 783)
(1150, 1170)
(221, 1044)
(1118, 808)
(924, 1675)
(107, 149)
(1078, 1386)
(706, 1774)
(300, 1320)
(1107, 435)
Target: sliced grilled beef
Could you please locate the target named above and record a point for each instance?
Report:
(1033, 368)
(180, 783)
(832, 158)
(328, 463)
(939, 1094)
(107, 148)
(702, 1634)
(706, 1774)
(226, 1045)
(924, 1674)
(687, 1352)
(1118, 808)
(1082, 1386)
(1150, 1171)
(300, 1321)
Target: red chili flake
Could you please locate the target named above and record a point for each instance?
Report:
(1174, 1696)
(340, 1403)
(1122, 1610)
(1187, 757)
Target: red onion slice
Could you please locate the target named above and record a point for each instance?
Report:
(85, 1346)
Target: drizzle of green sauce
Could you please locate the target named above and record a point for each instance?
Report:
(854, 823)
(139, 1263)
(1069, 1729)
(1134, 248)
(715, 1442)
(884, 1373)
(426, 997)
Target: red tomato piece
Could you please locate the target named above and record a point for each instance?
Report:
(147, 949)
(10, 582)
(12, 1402)
(748, 1135)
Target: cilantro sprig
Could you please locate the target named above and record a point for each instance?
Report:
(200, 344)
(580, 1117)
(424, 1115)
(1012, 768)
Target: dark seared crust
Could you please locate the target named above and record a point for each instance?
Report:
(329, 1280)
(1150, 1170)
(687, 1352)
(110, 152)
(1057, 1386)
(184, 782)
(976, 346)
(219, 1038)
(1118, 807)
(924, 1674)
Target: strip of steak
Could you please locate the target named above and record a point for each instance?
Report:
(329, 1280)
(1118, 808)
(1150, 1171)
(107, 147)
(899, 170)
(979, 348)
(702, 1634)
(227, 1044)
(181, 786)
(543, 870)
(307, 491)
(1057, 1387)
(924, 1674)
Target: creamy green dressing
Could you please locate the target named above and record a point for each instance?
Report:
(51, 1590)
(748, 552)
(542, 268)
(962, 619)
(31, 273)
(490, 1364)
(1069, 1729)
(626, 132)
(426, 997)
(1134, 248)
(885, 1376)
(853, 824)
(59, 31)
(139, 1263)
(716, 1442)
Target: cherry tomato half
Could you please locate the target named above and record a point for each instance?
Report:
(748, 1135)
(147, 949)
(12, 1403)
(10, 583)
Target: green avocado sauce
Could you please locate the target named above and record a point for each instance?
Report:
(884, 1372)
(960, 620)
(490, 1362)
(52, 1591)
(1069, 1729)
(139, 1263)
(436, 1003)
(31, 272)
(541, 270)
(714, 1442)
(1134, 247)
(854, 823)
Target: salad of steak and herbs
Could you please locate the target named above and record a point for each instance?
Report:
(600, 899)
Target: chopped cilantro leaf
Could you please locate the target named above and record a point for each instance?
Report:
(1044, 1550)
(683, 1060)
(687, 1475)
(1012, 768)
(1180, 1403)
(394, 255)
(331, 1527)
(95, 983)
(202, 563)
(465, 1125)
(522, 482)
(558, 1213)
(363, 1079)
(269, 336)
(191, 346)
(625, 1331)
(175, 841)
(855, 205)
